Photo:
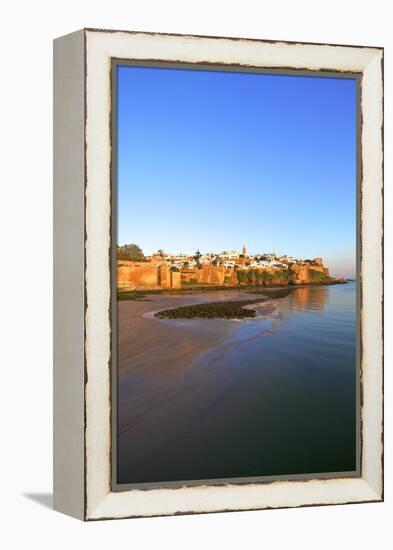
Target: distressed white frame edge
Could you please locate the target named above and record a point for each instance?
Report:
(69, 274)
(101, 503)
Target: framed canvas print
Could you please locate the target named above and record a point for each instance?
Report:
(218, 274)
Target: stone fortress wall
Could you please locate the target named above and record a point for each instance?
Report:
(131, 274)
(156, 275)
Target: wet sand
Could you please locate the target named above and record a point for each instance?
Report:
(213, 398)
(162, 387)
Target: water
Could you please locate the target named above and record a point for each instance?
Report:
(277, 398)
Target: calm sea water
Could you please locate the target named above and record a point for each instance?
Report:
(282, 397)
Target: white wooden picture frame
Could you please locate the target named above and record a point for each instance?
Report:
(82, 245)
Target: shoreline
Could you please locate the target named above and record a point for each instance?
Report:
(180, 380)
(161, 369)
(140, 293)
(173, 375)
(144, 346)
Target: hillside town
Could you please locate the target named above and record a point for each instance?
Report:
(232, 258)
(232, 268)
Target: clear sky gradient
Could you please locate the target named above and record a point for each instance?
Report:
(213, 160)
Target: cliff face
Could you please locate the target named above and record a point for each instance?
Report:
(295, 275)
(216, 275)
(153, 275)
(132, 274)
(309, 273)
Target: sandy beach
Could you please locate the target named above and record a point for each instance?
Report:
(159, 389)
(217, 398)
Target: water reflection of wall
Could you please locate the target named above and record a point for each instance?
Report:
(311, 297)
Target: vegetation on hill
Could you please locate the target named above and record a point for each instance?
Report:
(317, 275)
(258, 277)
(130, 252)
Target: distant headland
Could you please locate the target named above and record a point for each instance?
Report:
(227, 269)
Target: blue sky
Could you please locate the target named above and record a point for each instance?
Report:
(214, 160)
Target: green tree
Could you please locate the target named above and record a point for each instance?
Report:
(130, 252)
